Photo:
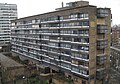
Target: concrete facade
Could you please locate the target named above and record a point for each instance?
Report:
(8, 12)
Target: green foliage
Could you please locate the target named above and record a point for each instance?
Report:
(45, 82)
(36, 80)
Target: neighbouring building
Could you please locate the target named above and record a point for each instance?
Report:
(115, 57)
(8, 12)
(115, 47)
(10, 70)
(74, 40)
(115, 35)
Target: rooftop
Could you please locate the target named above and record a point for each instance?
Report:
(38, 15)
(8, 62)
(7, 4)
(74, 4)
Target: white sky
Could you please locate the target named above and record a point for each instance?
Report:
(33, 7)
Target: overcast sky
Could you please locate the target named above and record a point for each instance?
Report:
(33, 7)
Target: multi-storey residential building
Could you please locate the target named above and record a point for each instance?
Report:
(8, 12)
(74, 39)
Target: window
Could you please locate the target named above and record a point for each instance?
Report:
(54, 25)
(84, 23)
(75, 47)
(72, 16)
(75, 69)
(65, 45)
(75, 31)
(102, 12)
(65, 31)
(77, 55)
(83, 15)
(83, 31)
(53, 44)
(66, 52)
(66, 59)
(86, 48)
(66, 39)
(66, 65)
(100, 43)
(61, 17)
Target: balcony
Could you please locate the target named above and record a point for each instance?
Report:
(101, 44)
(100, 74)
(84, 27)
(80, 74)
(84, 67)
(101, 29)
(65, 61)
(53, 52)
(102, 12)
(64, 54)
(80, 58)
(101, 60)
(52, 21)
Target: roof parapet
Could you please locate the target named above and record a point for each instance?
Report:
(74, 4)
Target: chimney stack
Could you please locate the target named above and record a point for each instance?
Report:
(62, 4)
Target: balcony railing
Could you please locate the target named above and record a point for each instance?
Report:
(73, 19)
(79, 58)
(102, 12)
(100, 74)
(79, 73)
(101, 60)
(101, 44)
(52, 21)
(75, 27)
(101, 29)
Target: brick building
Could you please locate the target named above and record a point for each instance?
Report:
(115, 36)
(74, 40)
(10, 70)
